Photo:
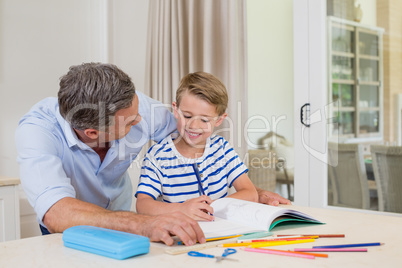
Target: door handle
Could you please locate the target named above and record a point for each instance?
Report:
(305, 121)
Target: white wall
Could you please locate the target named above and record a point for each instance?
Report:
(128, 50)
(40, 39)
(270, 66)
(369, 8)
(129, 34)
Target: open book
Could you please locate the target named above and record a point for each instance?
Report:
(235, 216)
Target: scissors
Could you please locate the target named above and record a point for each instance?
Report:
(227, 252)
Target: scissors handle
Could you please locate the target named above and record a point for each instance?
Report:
(199, 254)
(228, 251)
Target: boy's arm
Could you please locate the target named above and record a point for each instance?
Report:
(196, 208)
(245, 189)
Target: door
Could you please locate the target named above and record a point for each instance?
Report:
(309, 82)
(286, 62)
(354, 94)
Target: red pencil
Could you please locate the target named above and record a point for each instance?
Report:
(319, 235)
(330, 249)
(285, 239)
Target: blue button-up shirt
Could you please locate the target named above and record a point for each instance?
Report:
(55, 164)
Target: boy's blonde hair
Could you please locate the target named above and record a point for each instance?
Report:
(205, 86)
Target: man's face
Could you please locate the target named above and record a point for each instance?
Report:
(124, 119)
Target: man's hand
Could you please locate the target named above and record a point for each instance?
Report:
(160, 228)
(198, 208)
(68, 212)
(270, 198)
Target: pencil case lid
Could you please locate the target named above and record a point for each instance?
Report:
(105, 242)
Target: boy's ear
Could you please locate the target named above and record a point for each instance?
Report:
(220, 120)
(175, 112)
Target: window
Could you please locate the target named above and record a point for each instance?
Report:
(355, 75)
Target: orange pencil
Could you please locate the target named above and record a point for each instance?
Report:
(298, 252)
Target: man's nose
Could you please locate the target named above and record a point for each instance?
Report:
(137, 120)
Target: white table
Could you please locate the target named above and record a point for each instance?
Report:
(48, 251)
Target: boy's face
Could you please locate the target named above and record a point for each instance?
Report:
(196, 120)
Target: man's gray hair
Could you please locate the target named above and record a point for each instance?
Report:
(91, 93)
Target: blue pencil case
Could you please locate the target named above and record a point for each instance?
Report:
(105, 242)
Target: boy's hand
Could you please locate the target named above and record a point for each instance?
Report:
(270, 198)
(199, 208)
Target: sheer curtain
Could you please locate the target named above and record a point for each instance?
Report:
(200, 35)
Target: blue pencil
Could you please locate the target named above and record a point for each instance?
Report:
(351, 245)
(197, 174)
(200, 188)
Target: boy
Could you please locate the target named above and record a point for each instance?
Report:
(168, 172)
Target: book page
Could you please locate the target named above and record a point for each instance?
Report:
(221, 227)
(252, 214)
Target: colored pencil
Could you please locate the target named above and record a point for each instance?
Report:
(285, 239)
(321, 255)
(350, 245)
(214, 238)
(279, 243)
(221, 237)
(265, 244)
(279, 252)
(231, 245)
(331, 249)
(197, 175)
(268, 239)
(319, 235)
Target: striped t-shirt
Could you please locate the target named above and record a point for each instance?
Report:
(167, 175)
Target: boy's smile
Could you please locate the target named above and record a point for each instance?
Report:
(196, 120)
(192, 135)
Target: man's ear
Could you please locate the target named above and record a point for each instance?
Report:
(91, 133)
(220, 120)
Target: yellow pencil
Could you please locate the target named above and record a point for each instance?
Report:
(231, 245)
(221, 237)
(279, 243)
(214, 238)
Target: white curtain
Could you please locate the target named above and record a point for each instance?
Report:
(186, 36)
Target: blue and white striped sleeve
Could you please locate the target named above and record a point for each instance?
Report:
(150, 179)
(235, 166)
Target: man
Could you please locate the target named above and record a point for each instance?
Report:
(74, 153)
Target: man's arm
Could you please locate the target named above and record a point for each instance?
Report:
(270, 198)
(69, 212)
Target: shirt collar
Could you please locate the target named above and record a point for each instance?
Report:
(69, 133)
(175, 135)
(71, 136)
